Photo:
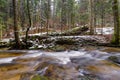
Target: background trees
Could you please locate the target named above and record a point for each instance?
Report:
(57, 15)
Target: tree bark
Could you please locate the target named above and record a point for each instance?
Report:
(63, 15)
(91, 23)
(30, 23)
(116, 22)
(16, 31)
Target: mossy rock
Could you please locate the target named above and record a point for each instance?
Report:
(53, 71)
(74, 31)
(111, 49)
(66, 41)
(57, 48)
(37, 77)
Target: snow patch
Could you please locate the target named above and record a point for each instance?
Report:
(105, 30)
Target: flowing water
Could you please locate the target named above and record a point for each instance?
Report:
(66, 65)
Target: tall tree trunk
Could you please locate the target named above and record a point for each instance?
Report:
(91, 16)
(7, 15)
(1, 33)
(22, 14)
(53, 15)
(41, 21)
(48, 15)
(63, 15)
(16, 32)
(102, 16)
(116, 22)
(30, 23)
(95, 16)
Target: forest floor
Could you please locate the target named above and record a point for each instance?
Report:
(74, 37)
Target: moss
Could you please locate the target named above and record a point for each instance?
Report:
(113, 41)
(111, 49)
(114, 59)
(58, 48)
(37, 77)
(65, 41)
(74, 31)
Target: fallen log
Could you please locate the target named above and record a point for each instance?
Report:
(74, 31)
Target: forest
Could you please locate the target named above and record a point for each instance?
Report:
(59, 39)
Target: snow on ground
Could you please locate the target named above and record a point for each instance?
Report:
(105, 31)
(36, 34)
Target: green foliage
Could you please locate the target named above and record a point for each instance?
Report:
(2, 26)
(37, 77)
(114, 42)
(3, 3)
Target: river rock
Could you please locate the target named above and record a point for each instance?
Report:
(115, 59)
(38, 77)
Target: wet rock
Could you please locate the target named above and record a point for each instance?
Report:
(111, 49)
(89, 77)
(37, 77)
(75, 48)
(10, 67)
(81, 62)
(10, 54)
(58, 72)
(26, 76)
(32, 76)
(115, 59)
